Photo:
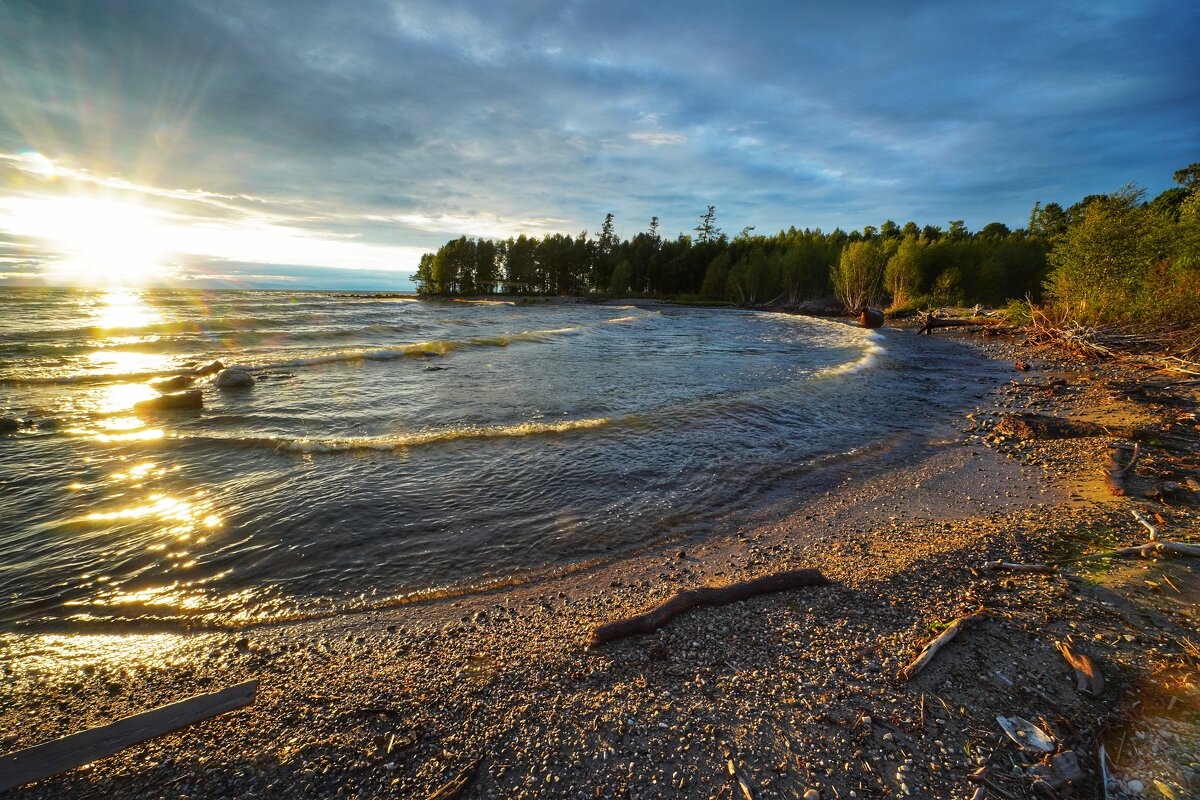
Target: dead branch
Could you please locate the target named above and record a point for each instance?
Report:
(705, 596)
(1040, 426)
(1087, 672)
(1150, 526)
(741, 782)
(1155, 548)
(1007, 566)
(938, 642)
(458, 784)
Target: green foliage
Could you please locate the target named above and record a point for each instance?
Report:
(1124, 260)
(1189, 177)
(1105, 258)
(902, 275)
(858, 275)
(1017, 312)
(947, 289)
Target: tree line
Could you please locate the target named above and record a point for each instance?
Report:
(1105, 256)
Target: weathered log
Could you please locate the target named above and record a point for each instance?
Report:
(59, 755)
(1116, 473)
(932, 323)
(1008, 566)
(1087, 673)
(938, 642)
(705, 596)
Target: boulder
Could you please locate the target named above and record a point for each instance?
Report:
(9, 424)
(211, 368)
(192, 398)
(870, 318)
(233, 378)
(172, 384)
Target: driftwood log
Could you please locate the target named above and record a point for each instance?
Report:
(932, 323)
(658, 616)
(1116, 472)
(1087, 673)
(59, 755)
(1008, 566)
(938, 642)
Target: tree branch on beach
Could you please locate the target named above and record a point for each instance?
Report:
(660, 615)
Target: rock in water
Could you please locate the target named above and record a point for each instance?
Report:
(173, 384)
(9, 424)
(870, 318)
(233, 378)
(166, 402)
(211, 368)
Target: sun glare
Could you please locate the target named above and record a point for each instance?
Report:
(102, 240)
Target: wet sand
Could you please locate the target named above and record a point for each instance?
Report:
(799, 690)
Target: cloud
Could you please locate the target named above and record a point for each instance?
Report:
(658, 138)
(401, 124)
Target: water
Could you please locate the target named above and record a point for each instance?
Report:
(392, 447)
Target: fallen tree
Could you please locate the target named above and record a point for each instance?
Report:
(932, 323)
(660, 615)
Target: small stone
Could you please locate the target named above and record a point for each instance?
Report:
(1135, 787)
(812, 794)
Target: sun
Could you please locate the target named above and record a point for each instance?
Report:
(98, 239)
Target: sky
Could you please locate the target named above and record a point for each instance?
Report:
(294, 144)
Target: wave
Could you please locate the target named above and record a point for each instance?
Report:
(433, 347)
(869, 358)
(395, 442)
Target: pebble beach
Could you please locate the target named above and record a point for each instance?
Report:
(789, 695)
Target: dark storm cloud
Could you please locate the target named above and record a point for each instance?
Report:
(410, 122)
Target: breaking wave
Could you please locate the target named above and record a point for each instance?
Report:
(403, 441)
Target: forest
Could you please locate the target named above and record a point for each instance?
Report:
(1105, 258)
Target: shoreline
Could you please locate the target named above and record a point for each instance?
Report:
(799, 689)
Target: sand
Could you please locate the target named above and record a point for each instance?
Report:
(799, 691)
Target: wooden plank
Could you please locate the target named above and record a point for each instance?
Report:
(59, 755)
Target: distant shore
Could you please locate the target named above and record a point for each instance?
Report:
(798, 690)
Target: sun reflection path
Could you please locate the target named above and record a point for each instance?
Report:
(65, 653)
(126, 308)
